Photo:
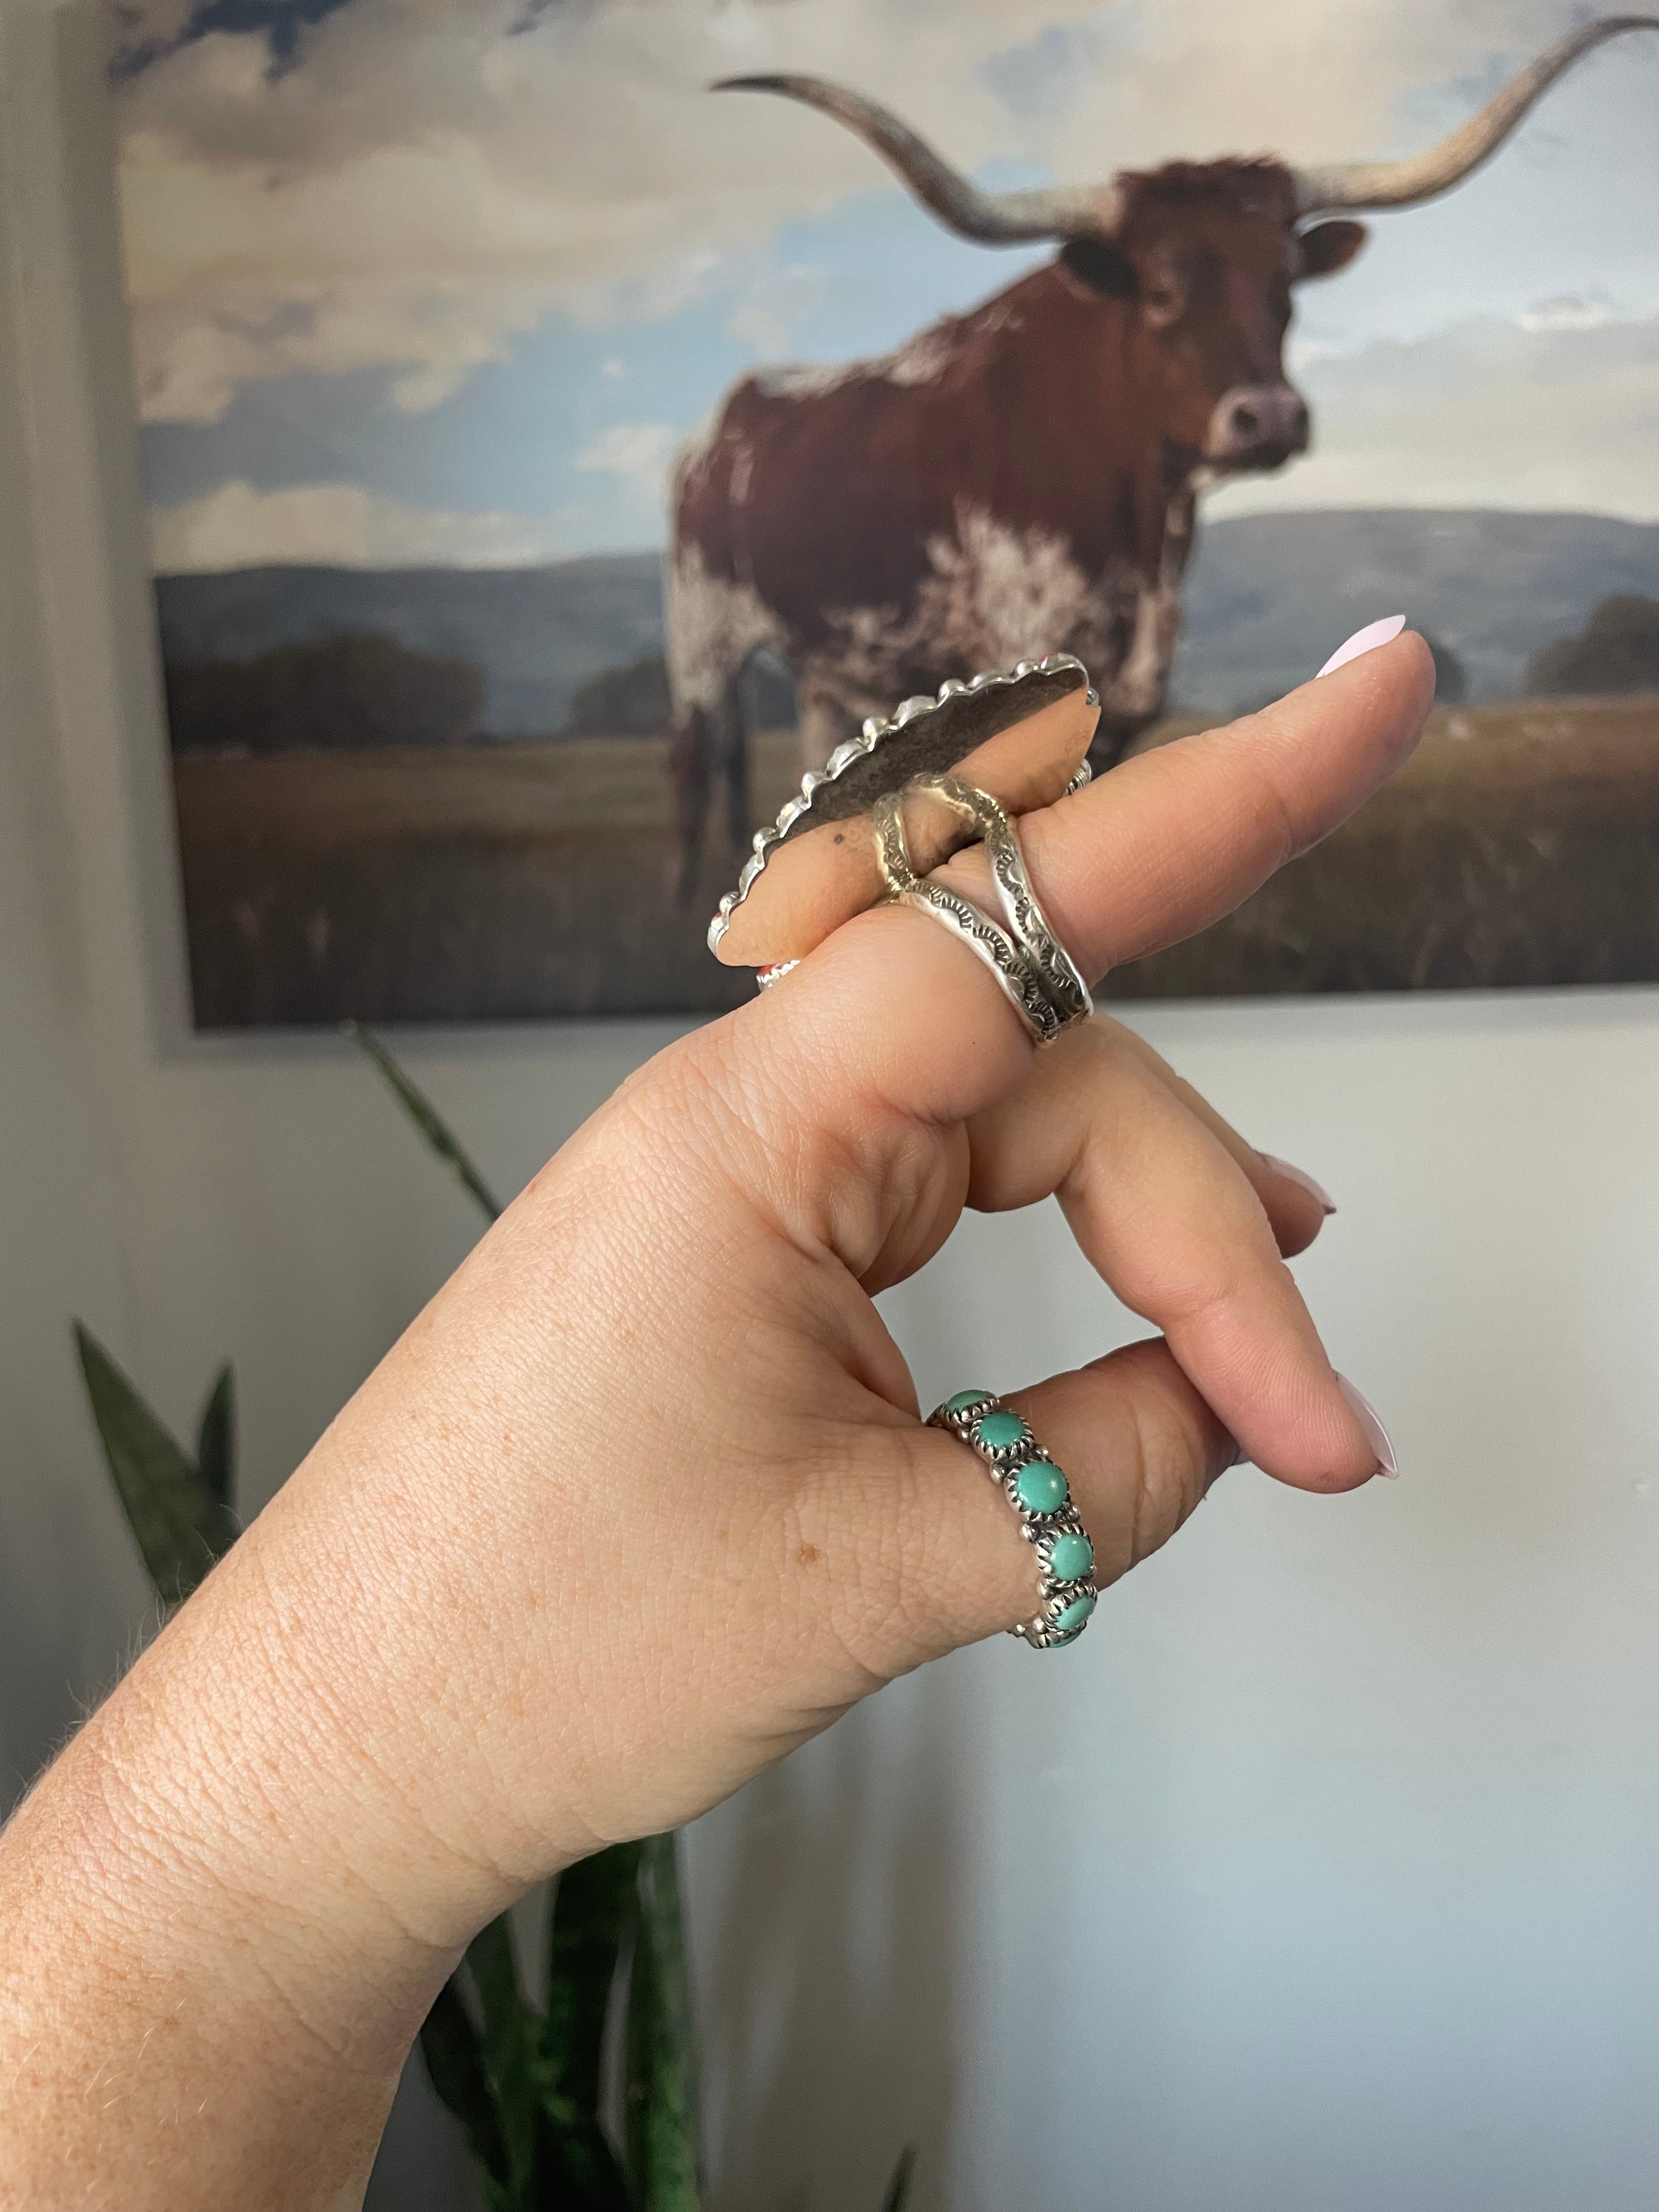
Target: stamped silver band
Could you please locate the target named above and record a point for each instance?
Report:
(1027, 959)
(1026, 919)
(983, 938)
(1042, 1498)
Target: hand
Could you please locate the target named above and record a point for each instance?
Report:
(642, 1499)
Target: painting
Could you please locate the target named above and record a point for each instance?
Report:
(563, 421)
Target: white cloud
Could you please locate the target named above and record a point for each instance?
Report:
(237, 526)
(419, 186)
(772, 309)
(1571, 311)
(638, 452)
(1559, 413)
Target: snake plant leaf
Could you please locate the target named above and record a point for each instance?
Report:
(594, 1907)
(426, 1117)
(455, 2068)
(661, 2102)
(216, 1439)
(898, 2189)
(181, 1523)
(510, 2048)
(576, 2169)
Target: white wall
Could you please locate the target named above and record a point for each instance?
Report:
(1323, 1873)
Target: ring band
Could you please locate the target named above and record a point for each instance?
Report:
(1026, 920)
(1040, 1496)
(983, 939)
(1027, 959)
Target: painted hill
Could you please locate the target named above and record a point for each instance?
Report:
(1267, 598)
(535, 634)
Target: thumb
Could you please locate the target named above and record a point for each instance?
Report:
(941, 1560)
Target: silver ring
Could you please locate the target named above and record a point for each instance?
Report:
(1026, 919)
(1027, 959)
(999, 952)
(1042, 1498)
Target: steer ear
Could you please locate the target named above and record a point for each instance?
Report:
(1327, 247)
(1100, 267)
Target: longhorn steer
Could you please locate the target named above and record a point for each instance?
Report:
(1021, 479)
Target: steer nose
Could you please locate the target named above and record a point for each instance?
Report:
(1257, 426)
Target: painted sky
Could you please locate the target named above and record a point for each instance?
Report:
(448, 280)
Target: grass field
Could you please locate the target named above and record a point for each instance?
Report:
(1521, 846)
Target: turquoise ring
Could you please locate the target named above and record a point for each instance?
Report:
(1042, 1498)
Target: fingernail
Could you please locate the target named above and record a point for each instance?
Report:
(1362, 641)
(1376, 1435)
(1300, 1175)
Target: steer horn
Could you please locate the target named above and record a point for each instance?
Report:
(1402, 184)
(995, 218)
(1098, 210)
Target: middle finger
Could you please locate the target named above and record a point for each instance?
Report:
(1169, 1219)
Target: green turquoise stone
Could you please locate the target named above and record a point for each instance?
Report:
(999, 1431)
(1071, 1558)
(965, 1398)
(1071, 1617)
(1040, 1487)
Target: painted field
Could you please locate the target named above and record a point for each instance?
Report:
(1519, 846)
(491, 882)
(501, 882)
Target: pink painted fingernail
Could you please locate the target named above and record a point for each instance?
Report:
(1362, 641)
(1300, 1176)
(1376, 1435)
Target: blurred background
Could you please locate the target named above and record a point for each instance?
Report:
(455, 324)
(1323, 1873)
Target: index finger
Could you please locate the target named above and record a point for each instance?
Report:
(890, 1010)
(1173, 840)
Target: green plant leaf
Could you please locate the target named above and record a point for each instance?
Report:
(181, 1523)
(662, 2106)
(576, 2170)
(455, 2068)
(510, 2049)
(215, 1440)
(425, 1116)
(898, 2189)
(595, 1904)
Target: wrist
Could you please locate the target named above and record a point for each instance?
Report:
(314, 1786)
(220, 1912)
(170, 2006)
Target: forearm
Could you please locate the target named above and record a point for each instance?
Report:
(222, 1927)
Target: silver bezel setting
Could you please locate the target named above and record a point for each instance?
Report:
(959, 1417)
(819, 786)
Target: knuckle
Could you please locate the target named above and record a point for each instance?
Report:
(929, 1566)
(1169, 1473)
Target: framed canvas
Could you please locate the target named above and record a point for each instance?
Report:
(550, 456)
